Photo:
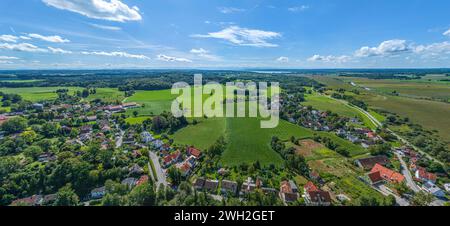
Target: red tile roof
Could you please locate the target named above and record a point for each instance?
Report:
(310, 187)
(375, 177)
(142, 180)
(285, 187)
(424, 175)
(193, 151)
(388, 174)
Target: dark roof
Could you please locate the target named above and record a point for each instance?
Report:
(199, 183)
(319, 196)
(211, 185)
(290, 197)
(229, 185)
(369, 163)
(375, 177)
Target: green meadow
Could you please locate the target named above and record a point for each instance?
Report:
(36, 94)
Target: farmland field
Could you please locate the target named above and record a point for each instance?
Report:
(36, 94)
(202, 135)
(107, 94)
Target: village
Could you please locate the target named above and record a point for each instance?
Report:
(153, 155)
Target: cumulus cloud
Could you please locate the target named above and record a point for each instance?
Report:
(447, 33)
(112, 10)
(52, 38)
(283, 59)
(166, 58)
(389, 47)
(243, 36)
(8, 38)
(117, 54)
(298, 8)
(433, 49)
(22, 47)
(330, 59)
(205, 54)
(59, 50)
(229, 10)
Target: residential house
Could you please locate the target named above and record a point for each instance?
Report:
(248, 186)
(369, 163)
(86, 129)
(98, 193)
(46, 157)
(147, 137)
(433, 189)
(422, 175)
(199, 183)
(130, 182)
(379, 171)
(229, 187)
(130, 105)
(191, 151)
(171, 159)
(136, 170)
(447, 187)
(35, 200)
(211, 185)
(287, 193)
(313, 196)
(143, 179)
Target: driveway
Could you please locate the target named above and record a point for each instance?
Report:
(386, 192)
(160, 172)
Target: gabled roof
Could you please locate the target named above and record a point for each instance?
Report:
(193, 151)
(319, 196)
(375, 177)
(310, 186)
(388, 174)
(368, 163)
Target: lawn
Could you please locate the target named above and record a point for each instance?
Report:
(137, 120)
(152, 102)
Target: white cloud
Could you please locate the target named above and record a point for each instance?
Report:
(389, 47)
(5, 62)
(283, 59)
(8, 38)
(172, 59)
(433, 49)
(330, 59)
(117, 54)
(229, 10)
(59, 50)
(298, 8)
(447, 33)
(104, 27)
(199, 51)
(8, 58)
(243, 36)
(205, 54)
(22, 47)
(112, 10)
(25, 37)
(53, 38)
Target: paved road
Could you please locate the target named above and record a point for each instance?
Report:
(405, 171)
(160, 172)
(386, 191)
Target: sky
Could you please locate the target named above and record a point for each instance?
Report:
(112, 34)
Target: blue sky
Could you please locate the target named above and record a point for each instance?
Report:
(91, 34)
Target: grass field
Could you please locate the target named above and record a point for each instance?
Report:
(202, 135)
(36, 94)
(21, 81)
(137, 120)
(430, 114)
(107, 94)
(408, 88)
(326, 103)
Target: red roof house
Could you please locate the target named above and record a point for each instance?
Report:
(385, 173)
